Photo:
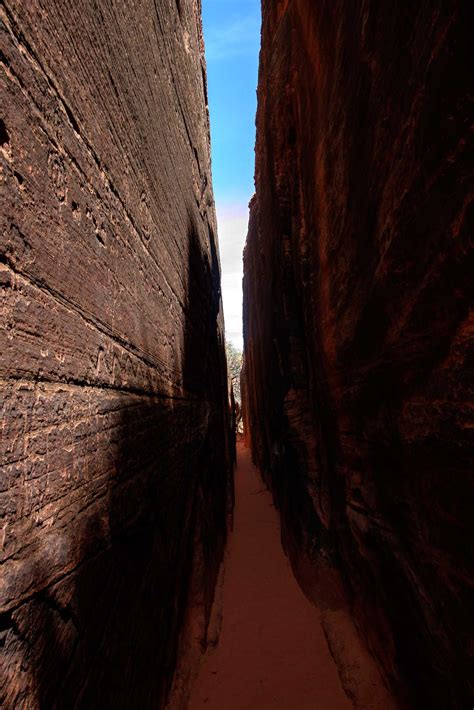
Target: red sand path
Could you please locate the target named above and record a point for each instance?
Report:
(272, 653)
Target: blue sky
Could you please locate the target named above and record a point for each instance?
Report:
(232, 38)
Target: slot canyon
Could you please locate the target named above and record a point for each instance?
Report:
(337, 571)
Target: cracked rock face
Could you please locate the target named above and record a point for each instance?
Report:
(358, 333)
(115, 454)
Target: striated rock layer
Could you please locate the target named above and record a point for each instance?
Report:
(358, 333)
(116, 465)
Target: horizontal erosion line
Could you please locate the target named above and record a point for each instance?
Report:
(150, 363)
(82, 384)
(96, 324)
(57, 579)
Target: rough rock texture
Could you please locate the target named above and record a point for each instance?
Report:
(358, 335)
(115, 454)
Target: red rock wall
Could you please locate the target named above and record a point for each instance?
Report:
(358, 333)
(115, 456)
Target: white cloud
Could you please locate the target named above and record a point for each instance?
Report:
(235, 39)
(232, 229)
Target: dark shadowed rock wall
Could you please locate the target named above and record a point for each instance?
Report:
(358, 334)
(114, 484)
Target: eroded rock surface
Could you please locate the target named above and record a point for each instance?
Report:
(115, 455)
(358, 333)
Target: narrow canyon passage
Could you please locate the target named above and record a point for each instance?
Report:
(120, 285)
(272, 652)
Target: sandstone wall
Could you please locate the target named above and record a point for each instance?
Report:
(358, 333)
(115, 456)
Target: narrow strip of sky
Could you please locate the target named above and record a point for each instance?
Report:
(232, 38)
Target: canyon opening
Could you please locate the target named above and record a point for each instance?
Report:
(200, 510)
